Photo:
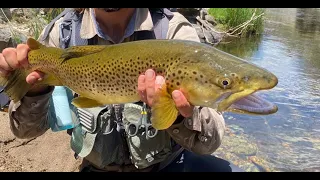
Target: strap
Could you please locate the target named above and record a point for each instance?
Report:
(161, 22)
(70, 31)
(50, 25)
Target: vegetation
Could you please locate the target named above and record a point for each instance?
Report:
(35, 23)
(229, 19)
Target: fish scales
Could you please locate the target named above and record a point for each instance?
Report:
(112, 73)
(108, 74)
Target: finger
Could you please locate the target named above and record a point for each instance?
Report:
(34, 77)
(10, 55)
(150, 83)
(22, 54)
(159, 82)
(3, 63)
(182, 104)
(142, 88)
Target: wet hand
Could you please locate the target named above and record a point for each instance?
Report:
(13, 58)
(148, 85)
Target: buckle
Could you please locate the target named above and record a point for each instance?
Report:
(87, 120)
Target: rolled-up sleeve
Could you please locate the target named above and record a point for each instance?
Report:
(28, 117)
(181, 28)
(202, 133)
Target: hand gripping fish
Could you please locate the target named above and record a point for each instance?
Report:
(108, 74)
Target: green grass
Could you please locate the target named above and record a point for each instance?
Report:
(228, 18)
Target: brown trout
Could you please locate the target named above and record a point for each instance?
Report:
(108, 74)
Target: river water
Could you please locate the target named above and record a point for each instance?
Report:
(290, 48)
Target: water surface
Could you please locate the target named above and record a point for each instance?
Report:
(290, 48)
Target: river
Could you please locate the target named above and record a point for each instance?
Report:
(290, 48)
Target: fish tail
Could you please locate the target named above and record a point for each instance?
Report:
(15, 86)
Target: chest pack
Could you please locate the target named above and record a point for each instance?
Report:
(101, 137)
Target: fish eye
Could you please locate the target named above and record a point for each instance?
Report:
(225, 83)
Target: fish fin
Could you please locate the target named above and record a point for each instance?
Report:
(78, 51)
(163, 110)
(50, 80)
(34, 44)
(15, 85)
(83, 102)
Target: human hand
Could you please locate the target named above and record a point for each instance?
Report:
(148, 85)
(13, 58)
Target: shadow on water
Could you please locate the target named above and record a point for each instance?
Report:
(290, 48)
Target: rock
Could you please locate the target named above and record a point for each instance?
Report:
(210, 19)
(30, 12)
(203, 13)
(193, 12)
(7, 14)
(208, 36)
(17, 12)
(5, 38)
(199, 31)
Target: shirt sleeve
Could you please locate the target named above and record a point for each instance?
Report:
(29, 116)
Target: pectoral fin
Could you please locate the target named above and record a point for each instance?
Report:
(83, 102)
(164, 111)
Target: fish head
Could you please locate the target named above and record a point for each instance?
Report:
(238, 91)
(229, 83)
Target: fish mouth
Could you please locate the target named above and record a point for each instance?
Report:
(246, 102)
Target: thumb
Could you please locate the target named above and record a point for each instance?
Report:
(34, 77)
